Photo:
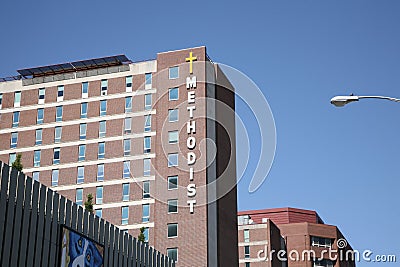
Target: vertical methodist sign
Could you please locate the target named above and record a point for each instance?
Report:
(191, 84)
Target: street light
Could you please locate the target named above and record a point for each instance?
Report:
(340, 101)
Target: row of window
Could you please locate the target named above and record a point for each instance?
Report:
(84, 111)
(83, 128)
(172, 158)
(173, 94)
(85, 90)
(172, 180)
(125, 196)
(173, 114)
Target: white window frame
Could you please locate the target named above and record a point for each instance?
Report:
(41, 100)
(80, 179)
(85, 94)
(56, 138)
(54, 182)
(128, 84)
(17, 103)
(172, 156)
(169, 115)
(170, 205)
(169, 72)
(99, 200)
(148, 82)
(60, 88)
(172, 224)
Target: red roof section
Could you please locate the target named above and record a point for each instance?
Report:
(283, 215)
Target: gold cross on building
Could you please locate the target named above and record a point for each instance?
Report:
(190, 59)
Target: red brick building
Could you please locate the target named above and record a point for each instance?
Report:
(152, 141)
(290, 237)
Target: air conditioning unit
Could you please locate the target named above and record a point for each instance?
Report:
(103, 93)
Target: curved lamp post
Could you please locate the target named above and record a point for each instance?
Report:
(340, 101)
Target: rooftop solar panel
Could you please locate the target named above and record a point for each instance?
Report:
(74, 66)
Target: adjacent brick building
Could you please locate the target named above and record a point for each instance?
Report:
(152, 141)
(290, 237)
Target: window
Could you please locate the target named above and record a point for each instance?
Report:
(60, 93)
(172, 159)
(147, 144)
(82, 131)
(81, 152)
(125, 215)
(127, 147)
(321, 242)
(172, 230)
(128, 125)
(147, 123)
(247, 264)
(59, 112)
(79, 196)
(173, 115)
(246, 252)
(15, 122)
(1, 100)
(36, 158)
(322, 263)
(56, 155)
(35, 176)
(174, 72)
(103, 107)
(85, 90)
(172, 253)
(173, 137)
(81, 175)
(99, 213)
(104, 87)
(41, 95)
(128, 104)
(57, 134)
(173, 94)
(148, 82)
(127, 169)
(102, 129)
(38, 137)
(146, 189)
(99, 195)
(101, 150)
(125, 192)
(14, 140)
(172, 182)
(40, 116)
(246, 235)
(146, 167)
(17, 99)
(128, 82)
(12, 158)
(173, 206)
(54, 178)
(146, 234)
(84, 108)
(147, 101)
(145, 212)
(100, 172)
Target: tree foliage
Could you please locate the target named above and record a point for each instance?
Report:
(141, 236)
(17, 163)
(89, 203)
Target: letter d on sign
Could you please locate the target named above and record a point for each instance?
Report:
(191, 158)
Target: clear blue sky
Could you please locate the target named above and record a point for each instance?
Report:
(342, 163)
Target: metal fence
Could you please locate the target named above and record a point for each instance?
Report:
(31, 216)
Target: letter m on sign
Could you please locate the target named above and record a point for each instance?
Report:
(191, 82)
